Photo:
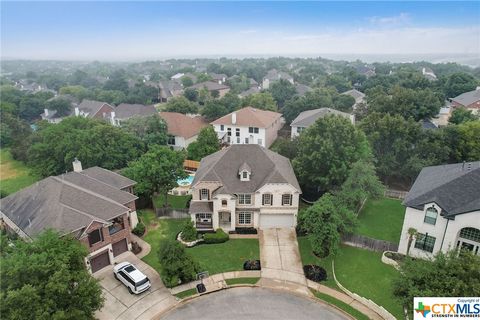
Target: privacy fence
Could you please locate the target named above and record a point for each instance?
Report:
(171, 213)
(356, 240)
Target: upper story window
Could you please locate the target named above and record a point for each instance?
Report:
(95, 236)
(222, 127)
(229, 132)
(245, 175)
(224, 203)
(171, 140)
(204, 194)
(425, 242)
(431, 216)
(253, 130)
(237, 132)
(244, 199)
(286, 199)
(267, 199)
(117, 225)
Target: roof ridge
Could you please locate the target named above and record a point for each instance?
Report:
(103, 183)
(110, 171)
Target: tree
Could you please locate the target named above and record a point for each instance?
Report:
(231, 101)
(191, 94)
(177, 265)
(187, 82)
(326, 152)
(458, 83)
(78, 92)
(61, 105)
(282, 91)
(315, 99)
(286, 147)
(324, 223)
(461, 115)
(12, 129)
(213, 110)
(412, 234)
(158, 170)
(151, 130)
(261, 100)
(30, 107)
(206, 144)
(463, 141)
(117, 81)
(343, 102)
(339, 82)
(181, 105)
(47, 279)
(454, 274)
(93, 142)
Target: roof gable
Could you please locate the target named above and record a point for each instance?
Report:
(181, 125)
(250, 117)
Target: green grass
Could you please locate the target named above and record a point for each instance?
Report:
(309, 258)
(175, 202)
(362, 271)
(14, 175)
(382, 219)
(227, 256)
(242, 281)
(186, 293)
(341, 305)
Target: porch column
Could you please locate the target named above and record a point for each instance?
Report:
(233, 218)
(215, 220)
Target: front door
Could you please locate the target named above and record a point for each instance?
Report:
(225, 220)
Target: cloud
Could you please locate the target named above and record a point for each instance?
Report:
(401, 19)
(247, 31)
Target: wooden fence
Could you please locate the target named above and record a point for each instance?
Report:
(172, 213)
(397, 194)
(356, 240)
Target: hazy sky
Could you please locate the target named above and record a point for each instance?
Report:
(152, 30)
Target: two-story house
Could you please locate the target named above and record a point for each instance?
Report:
(94, 109)
(307, 118)
(182, 129)
(443, 207)
(95, 206)
(244, 186)
(249, 126)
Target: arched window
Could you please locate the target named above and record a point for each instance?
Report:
(470, 234)
(431, 216)
(224, 203)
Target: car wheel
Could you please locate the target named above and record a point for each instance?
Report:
(115, 275)
(130, 290)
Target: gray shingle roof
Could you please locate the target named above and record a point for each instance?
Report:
(200, 206)
(302, 89)
(307, 118)
(210, 85)
(467, 98)
(275, 75)
(109, 177)
(127, 111)
(355, 94)
(454, 187)
(91, 107)
(266, 167)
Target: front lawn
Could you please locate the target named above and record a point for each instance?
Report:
(14, 175)
(253, 280)
(175, 202)
(340, 304)
(186, 293)
(308, 257)
(382, 219)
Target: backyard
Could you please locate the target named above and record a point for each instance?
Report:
(175, 202)
(14, 174)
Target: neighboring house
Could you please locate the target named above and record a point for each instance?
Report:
(52, 116)
(169, 89)
(253, 82)
(94, 109)
(429, 74)
(366, 70)
(249, 92)
(177, 76)
(357, 95)
(125, 111)
(302, 89)
(275, 75)
(249, 126)
(443, 206)
(212, 86)
(469, 100)
(220, 78)
(244, 186)
(182, 129)
(427, 124)
(307, 118)
(95, 206)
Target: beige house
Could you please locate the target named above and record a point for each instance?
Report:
(244, 186)
(182, 129)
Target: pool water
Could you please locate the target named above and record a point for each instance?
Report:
(185, 182)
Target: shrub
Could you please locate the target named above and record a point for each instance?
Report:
(218, 237)
(136, 249)
(246, 230)
(177, 264)
(315, 273)
(189, 233)
(252, 265)
(139, 229)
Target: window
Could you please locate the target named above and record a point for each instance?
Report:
(224, 203)
(244, 199)
(431, 216)
(425, 242)
(244, 218)
(117, 225)
(94, 237)
(204, 217)
(204, 194)
(245, 175)
(267, 199)
(300, 129)
(259, 141)
(246, 140)
(171, 140)
(238, 139)
(470, 234)
(253, 130)
(222, 127)
(286, 199)
(237, 132)
(229, 132)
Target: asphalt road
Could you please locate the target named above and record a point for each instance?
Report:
(253, 303)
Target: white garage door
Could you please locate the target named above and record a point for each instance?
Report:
(277, 221)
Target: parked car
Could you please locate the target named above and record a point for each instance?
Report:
(131, 277)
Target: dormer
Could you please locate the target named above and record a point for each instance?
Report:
(244, 172)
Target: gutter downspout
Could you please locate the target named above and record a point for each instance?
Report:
(444, 232)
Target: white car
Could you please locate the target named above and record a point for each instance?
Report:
(131, 277)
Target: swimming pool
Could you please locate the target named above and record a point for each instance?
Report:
(185, 182)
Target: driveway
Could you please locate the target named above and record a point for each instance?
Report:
(279, 255)
(120, 304)
(253, 303)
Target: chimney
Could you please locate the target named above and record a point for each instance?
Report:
(46, 112)
(77, 165)
(112, 117)
(77, 111)
(234, 117)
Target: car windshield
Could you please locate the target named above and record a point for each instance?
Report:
(141, 282)
(130, 268)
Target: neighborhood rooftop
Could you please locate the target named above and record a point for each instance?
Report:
(307, 118)
(126, 110)
(91, 107)
(182, 125)
(210, 85)
(250, 117)
(467, 98)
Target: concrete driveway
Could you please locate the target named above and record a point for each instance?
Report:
(280, 256)
(120, 304)
(253, 303)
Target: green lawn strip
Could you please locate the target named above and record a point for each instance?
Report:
(382, 219)
(242, 281)
(147, 216)
(227, 256)
(175, 202)
(340, 304)
(186, 293)
(309, 258)
(362, 272)
(15, 174)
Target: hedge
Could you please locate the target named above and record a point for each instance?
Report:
(218, 237)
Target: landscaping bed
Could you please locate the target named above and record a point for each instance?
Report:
(315, 273)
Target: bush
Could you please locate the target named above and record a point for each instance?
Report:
(252, 265)
(177, 265)
(189, 233)
(218, 237)
(315, 273)
(246, 230)
(139, 229)
(136, 249)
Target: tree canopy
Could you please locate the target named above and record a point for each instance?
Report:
(282, 91)
(181, 105)
(458, 83)
(261, 100)
(461, 115)
(151, 129)
(206, 144)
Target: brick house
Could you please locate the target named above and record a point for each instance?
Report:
(94, 109)
(469, 100)
(95, 206)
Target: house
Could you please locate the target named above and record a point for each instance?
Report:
(182, 129)
(249, 126)
(443, 206)
(95, 206)
(211, 87)
(275, 75)
(220, 78)
(177, 76)
(469, 100)
(244, 186)
(125, 111)
(302, 89)
(246, 93)
(52, 116)
(428, 124)
(94, 109)
(366, 70)
(307, 118)
(429, 74)
(169, 89)
(357, 95)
